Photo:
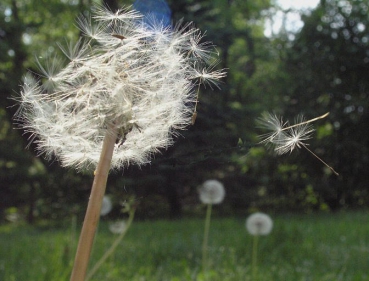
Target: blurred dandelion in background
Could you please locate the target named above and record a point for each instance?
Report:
(257, 224)
(211, 192)
(106, 206)
(117, 227)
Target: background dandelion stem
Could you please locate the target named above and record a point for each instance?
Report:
(93, 209)
(206, 238)
(254, 258)
(112, 248)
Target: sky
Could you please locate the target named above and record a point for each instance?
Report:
(294, 22)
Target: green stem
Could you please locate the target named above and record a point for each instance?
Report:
(206, 237)
(113, 246)
(254, 266)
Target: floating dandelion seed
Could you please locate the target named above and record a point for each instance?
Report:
(284, 138)
(294, 137)
(275, 125)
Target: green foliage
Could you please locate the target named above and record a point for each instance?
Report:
(324, 68)
(300, 247)
(327, 64)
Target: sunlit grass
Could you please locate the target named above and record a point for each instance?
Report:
(300, 247)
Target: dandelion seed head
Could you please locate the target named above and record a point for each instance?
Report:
(124, 77)
(259, 224)
(212, 192)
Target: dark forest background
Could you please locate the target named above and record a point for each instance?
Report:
(324, 67)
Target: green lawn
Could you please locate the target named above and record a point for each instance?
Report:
(300, 247)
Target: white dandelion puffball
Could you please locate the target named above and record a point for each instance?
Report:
(106, 206)
(212, 192)
(259, 224)
(117, 227)
(122, 77)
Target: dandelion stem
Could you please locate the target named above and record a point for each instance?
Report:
(321, 160)
(206, 237)
(254, 266)
(306, 122)
(113, 246)
(93, 209)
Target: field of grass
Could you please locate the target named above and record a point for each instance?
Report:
(317, 247)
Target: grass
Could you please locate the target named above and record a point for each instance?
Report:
(319, 247)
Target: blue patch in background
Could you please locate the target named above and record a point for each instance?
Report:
(158, 9)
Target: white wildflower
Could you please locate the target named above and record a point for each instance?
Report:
(259, 224)
(123, 77)
(212, 192)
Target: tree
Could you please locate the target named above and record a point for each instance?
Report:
(28, 182)
(328, 66)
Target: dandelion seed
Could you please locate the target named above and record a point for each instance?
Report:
(275, 125)
(125, 15)
(207, 75)
(89, 28)
(294, 137)
(74, 52)
(284, 138)
(201, 49)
